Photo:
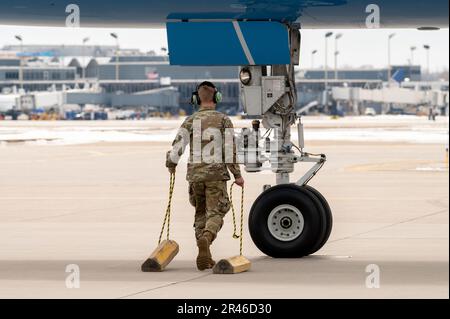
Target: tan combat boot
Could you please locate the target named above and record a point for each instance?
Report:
(204, 258)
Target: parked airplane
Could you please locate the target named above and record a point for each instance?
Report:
(263, 37)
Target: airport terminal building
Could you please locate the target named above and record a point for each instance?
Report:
(133, 72)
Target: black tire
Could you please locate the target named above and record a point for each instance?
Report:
(314, 216)
(328, 217)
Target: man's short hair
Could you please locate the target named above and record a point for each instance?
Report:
(206, 93)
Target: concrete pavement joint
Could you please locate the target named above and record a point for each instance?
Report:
(165, 286)
(182, 281)
(391, 225)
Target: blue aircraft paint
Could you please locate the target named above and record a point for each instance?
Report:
(217, 43)
(399, 76)
(281, 10)
(268, 42)
(199, 43)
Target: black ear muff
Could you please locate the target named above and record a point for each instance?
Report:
(217, 97)
(195, 99)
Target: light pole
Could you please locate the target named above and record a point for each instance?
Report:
(413, 48)
(389, 57)
(327, 35)
(428, 48)
(20, 39)
(313, 53)
(115, 36)
(336, 53)
(83, 67)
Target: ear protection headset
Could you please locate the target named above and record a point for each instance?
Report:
(195, 98)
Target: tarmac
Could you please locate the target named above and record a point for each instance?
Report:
(99, 206)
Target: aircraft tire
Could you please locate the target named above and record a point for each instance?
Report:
(288, 221)
(328, 218)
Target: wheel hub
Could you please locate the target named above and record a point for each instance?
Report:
(285, 222)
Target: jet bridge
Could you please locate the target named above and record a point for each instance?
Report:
(391, 95)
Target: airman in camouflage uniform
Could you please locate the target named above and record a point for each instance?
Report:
(207, 171)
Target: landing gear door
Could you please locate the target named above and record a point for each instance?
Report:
(228, 43)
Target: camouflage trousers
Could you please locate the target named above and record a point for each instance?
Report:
(211, 203)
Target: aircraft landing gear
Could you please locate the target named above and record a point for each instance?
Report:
(291, 219)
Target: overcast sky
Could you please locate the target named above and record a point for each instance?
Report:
(357, 47)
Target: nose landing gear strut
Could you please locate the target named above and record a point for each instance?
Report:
(289, 219)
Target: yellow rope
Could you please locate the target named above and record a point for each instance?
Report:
(236, 236)
(168, 210)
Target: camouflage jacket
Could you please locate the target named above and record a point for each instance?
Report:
(211, 154)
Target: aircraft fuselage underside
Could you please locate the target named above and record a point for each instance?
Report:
(156, 13)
